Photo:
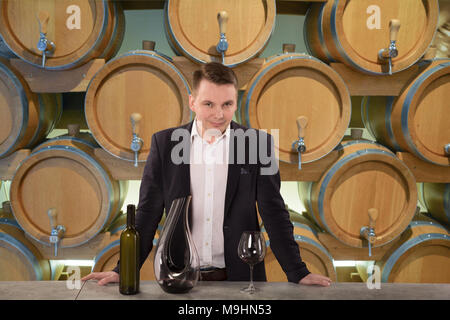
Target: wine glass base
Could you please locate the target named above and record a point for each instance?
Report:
(249, 290)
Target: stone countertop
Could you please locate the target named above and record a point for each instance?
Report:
(227, 290)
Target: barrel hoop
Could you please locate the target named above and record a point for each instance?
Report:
(388, 123)
(329, 175)
(365, 115)
(41, 120)
(24, 251)
(337, 42)
(114, 33)
(308, 241)
(10, 222)
(420, 223)
(24, 103)
(99, 169)
(74, 139)
(352, 142)
(310, 204)
(305, 31)
(405, 247)
(406, 108)
(168, 30)
(103, 251)
(321, 34)
(169, 27)
(115, 243)
(447, 202)
(303, 226)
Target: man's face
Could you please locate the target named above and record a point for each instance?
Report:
(214, 105)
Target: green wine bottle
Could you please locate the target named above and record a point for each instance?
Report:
(129, 256)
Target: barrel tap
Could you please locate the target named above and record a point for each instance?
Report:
(368, 233)
(136, 142)
(299, 145)
(391, 52)
(447, 149)
(44, 45)
(222, 46)
(57, 230)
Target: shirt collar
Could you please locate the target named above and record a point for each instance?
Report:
(194, 132)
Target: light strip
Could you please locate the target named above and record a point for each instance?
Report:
(80, 263)
(344, 263)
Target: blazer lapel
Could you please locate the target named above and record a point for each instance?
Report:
(234, 171)
(183, 169)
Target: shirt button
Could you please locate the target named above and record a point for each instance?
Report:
(207, 219)
(206, 243)
(209, 194)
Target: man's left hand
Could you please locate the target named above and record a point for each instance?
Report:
(316, 279)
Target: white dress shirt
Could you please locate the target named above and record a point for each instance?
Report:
(209, 172)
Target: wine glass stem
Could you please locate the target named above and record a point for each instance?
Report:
(251, 286)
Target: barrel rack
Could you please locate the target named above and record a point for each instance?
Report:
(359, 84)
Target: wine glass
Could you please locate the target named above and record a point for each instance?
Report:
(252, 250)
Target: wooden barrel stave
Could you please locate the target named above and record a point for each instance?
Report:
(19, 259)
(316, 257)
(193, 30)
(338, 205)
(421, 256)
(413, 121)
(85, 30)
(436, 198)
(345, 31)
(289, 79)
(82, 191)
(164, 105)
(27, 117)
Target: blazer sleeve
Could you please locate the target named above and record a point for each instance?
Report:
(151, 202)
(276, 219)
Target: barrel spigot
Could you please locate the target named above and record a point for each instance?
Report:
(222, 46)
(136, 142)
(57, 232)
(44, 45)
(368, 232)
(387, 54)
(299, 145)
(447, 149)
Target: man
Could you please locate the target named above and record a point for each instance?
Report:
(225, 184)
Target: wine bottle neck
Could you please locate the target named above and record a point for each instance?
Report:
(131, 211)
(130, 219)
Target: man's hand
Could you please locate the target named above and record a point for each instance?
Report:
(102, 277)
(312, 279)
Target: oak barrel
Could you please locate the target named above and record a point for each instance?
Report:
(436, 198)
(353, 32)
(291, 85)
(416, 121)
(26, 117)
(19, 258)
(193, 30)
(143, 82)
(63, 174)
(81, 30)
(313, 253)
(366, 175)
(421, 256)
